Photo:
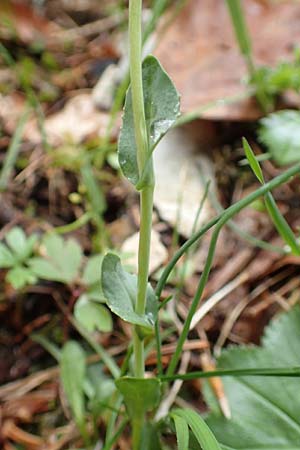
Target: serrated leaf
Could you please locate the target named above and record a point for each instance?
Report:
(61, 262)
(201, 431)
(20, 276)
(92, 316)
(73, 371)
(265, 412)
(161, 102)
(280, 133)
(254, 164)
(120, 290)
(141, 395)
(6, 257)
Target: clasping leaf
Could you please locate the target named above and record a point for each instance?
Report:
(120, 290)
(141, 395)
(161, 101)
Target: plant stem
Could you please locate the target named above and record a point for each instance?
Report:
(146, 194)
(277, 181)
(135, 39)
(228, 214)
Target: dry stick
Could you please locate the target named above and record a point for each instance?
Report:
(237, 311)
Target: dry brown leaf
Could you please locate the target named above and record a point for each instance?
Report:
(158, 252)
(200, 52)
(21, 20)
(78, 120)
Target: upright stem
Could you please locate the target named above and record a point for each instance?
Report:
(146, 194)
(135, 44)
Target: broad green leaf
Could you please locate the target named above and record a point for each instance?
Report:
(182, 432)
(280, 133)
(6, 257)
(61, 261)
(265, 411)
(201, 431)
(92, 270)
(120, 291)
(161, 102)
(16, 240)
(73, 371)
(141, 395)
(20, 276)
(92, 316)
(254, 164)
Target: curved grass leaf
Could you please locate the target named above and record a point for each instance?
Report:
(201, 431)
(182, 432)
(161, 102)
(280, 133)
(265, 411)
(120, 290)
(254, 164)
(141, 395)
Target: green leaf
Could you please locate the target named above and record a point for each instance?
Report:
(20, 276)
(92, 316)
(61, 262)
(98, 388)
(201, 431)
(73, 371)
(120, 290)
(6, 257)
(265, 411)
(254, 164)
(92, 270)
(161, 102)
(280, 133)
(141, 395)
(16, 240)
(182, 432)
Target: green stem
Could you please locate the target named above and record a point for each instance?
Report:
(263, 372)
(220, 221)
(135, 38)
(137, 426)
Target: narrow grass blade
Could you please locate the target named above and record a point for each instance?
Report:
(182, 432)
(199, 428)
(281, 224)
(13, 151)
(254, 164)
(263, 372)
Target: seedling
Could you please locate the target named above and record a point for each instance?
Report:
(15, 257)
(151, 108)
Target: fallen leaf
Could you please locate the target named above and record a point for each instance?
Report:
(179, 189)
(78, 120)
(158, 252)
(200, 53)
(22, 21)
